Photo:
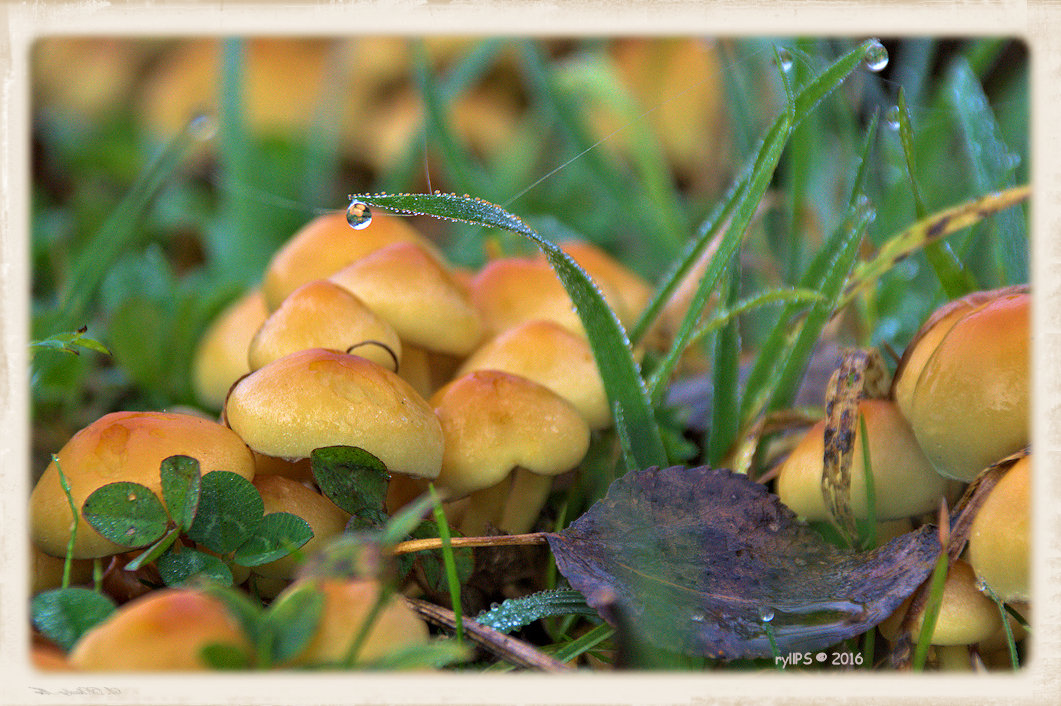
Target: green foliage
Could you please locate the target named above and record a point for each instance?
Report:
(65, 614)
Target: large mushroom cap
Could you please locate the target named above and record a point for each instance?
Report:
(326, 245)
(1000, 539)
(125, 446)
(322, 314)
(970, 404)
(317, 398)
(412, 289)
(904, 481)
(495, 422)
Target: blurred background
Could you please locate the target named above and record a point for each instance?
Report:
(166, 172)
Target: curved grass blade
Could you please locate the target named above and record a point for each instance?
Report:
(611, 347)
(515, 613)
(928, 230)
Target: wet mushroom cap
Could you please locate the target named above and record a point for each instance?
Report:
(322, 314)
(317, 398)
(970, 405)
(999, 547)
(163, 630)
(326, 245)
(494, 422)
(905, 483)
(125, 446)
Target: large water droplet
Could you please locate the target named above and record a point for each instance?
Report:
(202, 127)
(876, 57)
(864, 207)
(766, 614)
(784, 59)
(358, 215)
(891, 118)
(1012, 160)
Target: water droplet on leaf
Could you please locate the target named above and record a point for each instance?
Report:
(766, 614)
(784, 57)
(202, 127)
(876, 57)
(358, 215)
(891, 118)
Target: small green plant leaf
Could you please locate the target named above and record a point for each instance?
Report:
(181, 486)
(230, 510)
(431, 562)
(611, 347)
(69, 343)
(65, 614)
(279, 534)
(293, 620)
(249, 615)
(514, 613)
(155, 550)
(177, 568)
(350, 477)
(126, 513)
(225, 657)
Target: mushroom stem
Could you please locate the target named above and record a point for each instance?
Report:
(485, 507)
(526, 496)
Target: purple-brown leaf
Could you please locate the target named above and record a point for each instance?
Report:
(701, 559)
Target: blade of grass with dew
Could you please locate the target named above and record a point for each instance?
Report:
(725, 371)
(993, 167)
(515, 613)
(938, 225)
(767, 374)
(723, 316)
(450, 565)
(611, 348)
(749, 197)
(952, 275)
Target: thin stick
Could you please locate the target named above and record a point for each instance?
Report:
(504, 646)
(501, 540)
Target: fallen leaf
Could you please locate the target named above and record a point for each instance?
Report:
(703, 560)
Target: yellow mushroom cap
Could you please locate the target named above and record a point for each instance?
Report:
(1000, 541)
(904, 481)
(163, 630)
(410, 288)
(550, 355)
(347, 604)
(970, 404)
(221, 356)
(325, 518)
(317, 398)
(494, 422)
(511, 290)
(966, 616)
(322, 314)
(125, 446)
(326, 245)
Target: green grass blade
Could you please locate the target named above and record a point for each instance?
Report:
(993, 165)
(611, 348)
(448, 562)
(584, 642)
(725, 407)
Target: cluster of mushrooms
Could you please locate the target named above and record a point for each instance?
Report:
(959, 403)
(480, 383)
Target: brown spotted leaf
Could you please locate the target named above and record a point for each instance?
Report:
(701, 559)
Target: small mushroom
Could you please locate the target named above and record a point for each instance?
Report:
(322, 314)
(125, 446)
(969, 406)
(904, 481)
(221, 355)
(505, 439)
(550, 355)
(165, 630)
(316, 397)
(347, 605)
(999, 547)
